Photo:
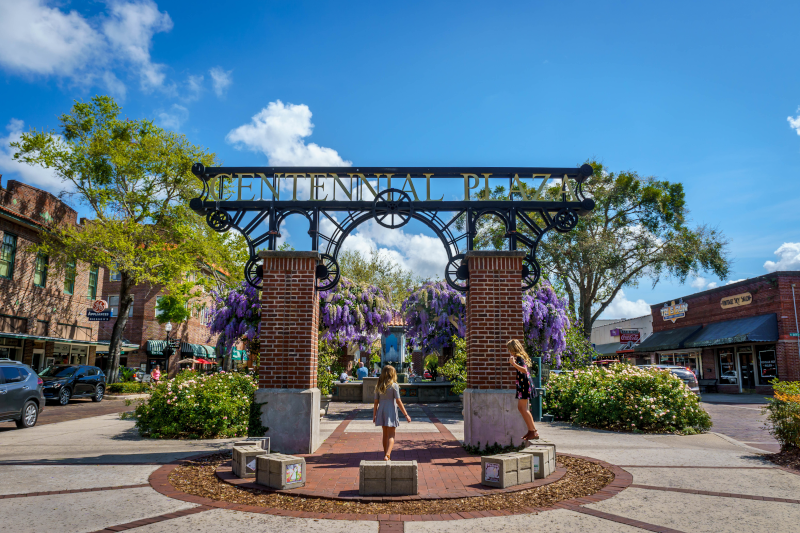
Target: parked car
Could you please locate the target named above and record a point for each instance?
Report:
(21, 394)
(427, 375)
(62, 382)
(686, 375)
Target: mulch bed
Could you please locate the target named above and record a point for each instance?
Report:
(788, 458)
(583, 478)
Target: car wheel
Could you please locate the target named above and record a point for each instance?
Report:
(98, 394)
(64, 396)
(30, 414)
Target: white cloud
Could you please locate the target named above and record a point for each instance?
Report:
(712, 285)
(794, 122)
(701, 283)
(32, 175)
(279, 131)
(621, 307)
(194, 87)
(174, 118)
(36, 39)
(788, 257)
(221, 80)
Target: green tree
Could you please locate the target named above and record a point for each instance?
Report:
(135, 179)
(377, 268)
(639, 229)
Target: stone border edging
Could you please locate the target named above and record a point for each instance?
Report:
(153, 520)
(718, 494)
(159, 481)
(71, 491)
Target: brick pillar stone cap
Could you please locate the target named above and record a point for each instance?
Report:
(287, 254)
(494, 253)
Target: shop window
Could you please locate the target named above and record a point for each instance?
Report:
(69, 278)
(8, 254)
(159, 312)
(727, 367)
(93, 272)
(767, 364)
(40, 272)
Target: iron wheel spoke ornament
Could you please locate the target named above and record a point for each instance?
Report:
(565, 220)
(457, 273)
(531, 271)
(253, 272)
(219, 221)
(392, 208)
(327, 273)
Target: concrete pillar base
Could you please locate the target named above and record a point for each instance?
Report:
(292, 416)
(491, 416)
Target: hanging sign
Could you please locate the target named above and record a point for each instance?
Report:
(737, 300)
(99, 306)
(626, 335)
(674, 311)
(102, 316)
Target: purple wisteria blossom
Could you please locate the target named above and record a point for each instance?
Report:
(434, 313)
(354, 314)
(545, 323)
(235, 315)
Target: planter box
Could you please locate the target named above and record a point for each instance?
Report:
(387, 478)
(245, 459)
(325, 402)
(506, 469)
(279, 471)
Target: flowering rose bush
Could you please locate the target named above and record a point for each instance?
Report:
(783, 413)
(196, 406)
(434, 313)
(625, 397)
(353, 314)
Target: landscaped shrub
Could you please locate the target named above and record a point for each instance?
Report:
(128, 387)
(625, 397)
(783, 414)
(195, 406)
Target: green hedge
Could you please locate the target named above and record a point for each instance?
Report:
(196, 406)
(128, 387)
(783, 414)
(625, 397)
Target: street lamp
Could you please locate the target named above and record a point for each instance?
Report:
(168, 349)
(168, 328)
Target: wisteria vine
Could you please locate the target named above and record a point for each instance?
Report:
(352, 314)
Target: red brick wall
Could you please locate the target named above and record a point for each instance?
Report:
(25, 212)
(289, 321)
(772, 293)
(494, 316)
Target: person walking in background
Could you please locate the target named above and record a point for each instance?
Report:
(362, 371)
(384, 410)
(519, 359)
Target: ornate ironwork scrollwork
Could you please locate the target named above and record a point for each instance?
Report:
(219, 221)
(327, 273)
(565, 220)
(389, 204)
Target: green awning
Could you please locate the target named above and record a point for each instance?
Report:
(608, 349)
(198, 350)
(762, 328)
(155, 347)
(671, 339)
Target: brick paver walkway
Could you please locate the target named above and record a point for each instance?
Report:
(445, 470)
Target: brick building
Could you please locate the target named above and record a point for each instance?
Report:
(42, 311)
(741, 335)
(144, 329)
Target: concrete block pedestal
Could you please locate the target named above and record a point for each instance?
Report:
(292, 416)
(243, 463)
(506, 470)
(279, 471)
(387, 478)
(491, 416)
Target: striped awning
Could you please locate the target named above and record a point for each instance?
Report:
(199, 350)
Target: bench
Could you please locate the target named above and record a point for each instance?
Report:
(706, 384)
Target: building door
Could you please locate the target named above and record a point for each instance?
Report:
(747, 372)
(38, 360)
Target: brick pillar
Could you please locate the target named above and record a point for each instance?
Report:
(287, 373)
(494, 316)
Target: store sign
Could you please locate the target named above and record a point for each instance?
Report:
(99, 306)
(674, 311)
(102, 316)
(629, 335)
(614, 333)
(737, 300)
(767, 364)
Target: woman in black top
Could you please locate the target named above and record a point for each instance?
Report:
(519, 359)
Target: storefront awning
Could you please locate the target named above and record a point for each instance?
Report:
(762, 328)
(672, 339)
(155, 347)
(609, 349)
(198, 350)
(102, 346)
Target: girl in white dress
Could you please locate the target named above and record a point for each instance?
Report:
(384, 411)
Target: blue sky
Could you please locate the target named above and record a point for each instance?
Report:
(689, 92)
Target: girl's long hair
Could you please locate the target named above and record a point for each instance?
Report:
(516, 348)
(388, 377)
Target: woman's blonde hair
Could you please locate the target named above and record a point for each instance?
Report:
(388, 377)
(516, 348)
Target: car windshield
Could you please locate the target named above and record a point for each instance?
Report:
(58, 371)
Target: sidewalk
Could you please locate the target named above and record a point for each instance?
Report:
(698, 484)
(712, 397)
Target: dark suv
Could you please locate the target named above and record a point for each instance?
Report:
(21, 396)
(62, 382)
